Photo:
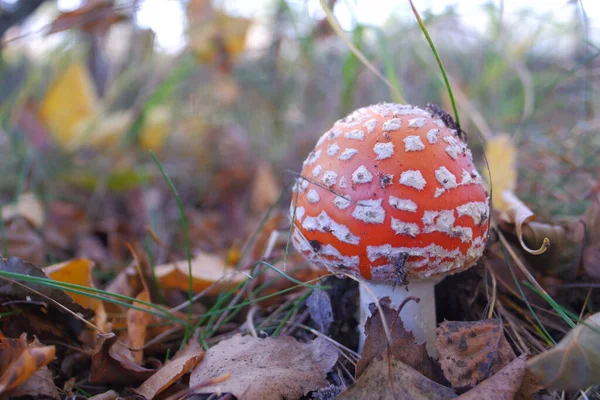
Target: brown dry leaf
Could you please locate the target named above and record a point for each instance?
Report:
(179, 365)
(503, 385)
(20, 361)
(27, 207)
(470, 352)
(387, 378)
(40, 385)
(591, 254)
(111, 364)
(206, 270)
(403, 345)
(93, 16)
(266, 369)
(110, 395)
(501, 154)
(78, 272)
(137, 326)
(24, 241)
(126, 283)
(265, 189)
(562, 259)
(518, 214)
(70, 100)
(574, 363)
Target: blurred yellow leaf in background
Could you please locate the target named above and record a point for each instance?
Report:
(70, 100)
(502, 155)
(156, 129)
(213, 34)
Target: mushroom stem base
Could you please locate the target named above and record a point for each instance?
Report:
(419, 318)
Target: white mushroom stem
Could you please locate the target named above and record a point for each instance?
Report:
(419, 318)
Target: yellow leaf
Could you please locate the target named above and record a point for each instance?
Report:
(70, 100)
(155, 130)
(79, 272)
(28, 207)
(213, 32)
(207, 269)
(501, 154)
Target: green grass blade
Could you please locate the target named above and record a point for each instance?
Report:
(188, 251)
(438, 59)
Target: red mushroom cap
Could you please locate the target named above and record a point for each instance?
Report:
(390, 193)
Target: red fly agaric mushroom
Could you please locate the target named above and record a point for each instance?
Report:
(390, 195)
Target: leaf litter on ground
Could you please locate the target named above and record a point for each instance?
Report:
(266, 369)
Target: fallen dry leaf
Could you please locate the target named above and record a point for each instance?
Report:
(518, 214)
(23, 241)
(137, 326)
(40, 385)
(574, 363)
(266, 369)
(10, 290)
(111, 364)
(562, 259)
(179, 365)
(501, 154)
(387, 378)
(591, 254)
(503, 385)
(28, 207)
(403, 345)
(206, 270)
(470, 352)
(78, 272)
(19, 361)
(110, 395)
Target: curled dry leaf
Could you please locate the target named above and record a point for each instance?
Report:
(266, 369)
(137, 326)
(403, 345)
(574, 363)
(113, 365)
(207, 269)
(503, 385)
(562, 259)
(387, 378)
(179, 365)
(20, 361)
(470, 352)
(517, 213)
